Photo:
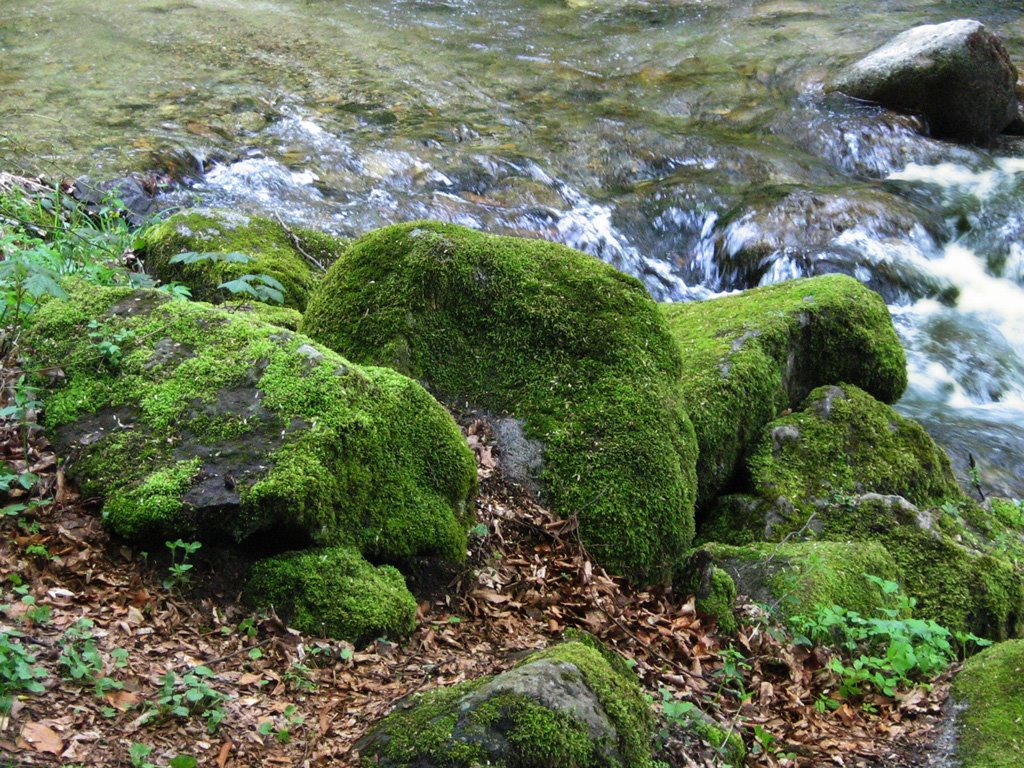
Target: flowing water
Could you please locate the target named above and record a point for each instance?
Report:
(689, 143)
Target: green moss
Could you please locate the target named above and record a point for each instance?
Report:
(620, 695)
(559, 339)
(714, 589)
(794, 578)
(334, 592)
(991, 729)
(842, 442)
(748, 357)
(284, 317)
(272, 250)
(329, 451)
(438, 728)
(153, 509)
(727, 743)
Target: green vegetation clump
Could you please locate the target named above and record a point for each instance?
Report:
(272, 250)
(334, 592)
(562, 341)
(748, 357)
(317, 447)
(512, 729)
(991, 728)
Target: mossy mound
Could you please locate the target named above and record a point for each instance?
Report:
(991, 728)
(748, 357)
(210, 424)
(576, 350)
(287, 255)
(334, 592)
(712, 587)
(565, 707)
(843, 441)
(795, 578)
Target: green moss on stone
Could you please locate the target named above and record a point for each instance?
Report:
(843, 441)
(748, 357)
(437, 728)
(991, 728)
(561, 340)
(272, 250)
(334, 592)
(338, 453)
(795, 578)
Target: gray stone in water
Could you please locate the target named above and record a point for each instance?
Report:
(957, 75)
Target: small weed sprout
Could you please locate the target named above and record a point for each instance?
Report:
(178, 572)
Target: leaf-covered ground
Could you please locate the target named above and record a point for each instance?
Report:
(293, 700)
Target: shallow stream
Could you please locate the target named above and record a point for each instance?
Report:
(671, 138)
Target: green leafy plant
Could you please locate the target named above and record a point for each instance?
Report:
(190, 695)
(82, 662)
(258, 286)
(732, 672)
(37, 614)
(18, 670)
(139, 755)
(886, 652)
(282, 732)
(109, 346)
(179, 576)
(298, 677)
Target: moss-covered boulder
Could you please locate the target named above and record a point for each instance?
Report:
(748, 357)
(713, 588)
(794, 578)
(991, 726)
(565, 707)
(195, 422)
(334, 592)
(844, 442)
(848, 468)
(290, 256)
(575, 350)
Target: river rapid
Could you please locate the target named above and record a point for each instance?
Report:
(688, 143)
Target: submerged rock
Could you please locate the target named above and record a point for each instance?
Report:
(571, 705)
(573, 349)
(195, 422)
(290, 256)
(957, 74)
(748, 357)
(990, 724)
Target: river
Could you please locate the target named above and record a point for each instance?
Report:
(688, 143)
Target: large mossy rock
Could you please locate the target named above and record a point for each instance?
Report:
(567, 707)
(991, 726)
(957, 75)
(575, 350)
(334, 592)
(748, 357)
(795, 578)
(195, 422)
(283, 254)
(849, 468)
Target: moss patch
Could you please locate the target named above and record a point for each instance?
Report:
(271, 248)
(575, 349)
(334, 592)
(748, 357)
(991, 729)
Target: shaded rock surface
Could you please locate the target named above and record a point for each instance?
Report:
(957, 74)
